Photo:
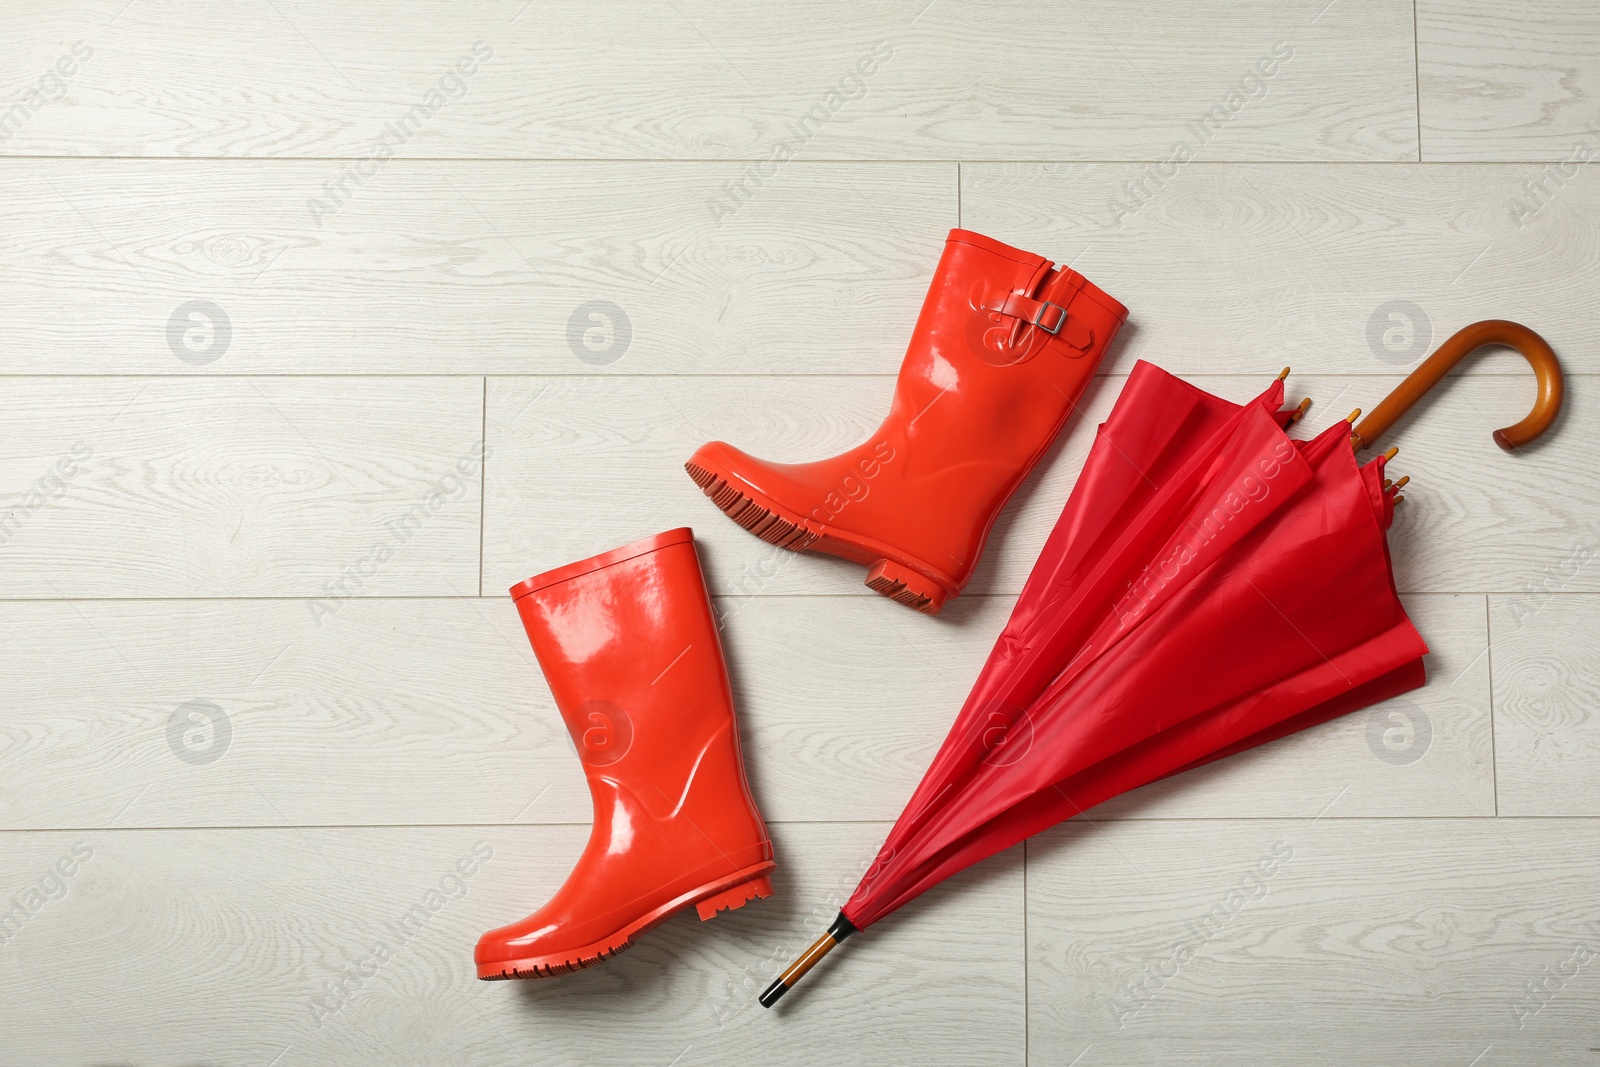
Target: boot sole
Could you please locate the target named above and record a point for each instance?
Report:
(889, 574)
(738, 505)
(726, 894)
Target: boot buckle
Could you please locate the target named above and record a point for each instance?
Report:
(1038, 317)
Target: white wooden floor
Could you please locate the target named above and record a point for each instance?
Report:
(241, 339)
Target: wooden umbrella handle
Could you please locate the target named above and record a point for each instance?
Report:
(1532, 347)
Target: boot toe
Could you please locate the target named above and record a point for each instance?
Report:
(517, 952)
(509, 943)
(762, 497)
(727, 462)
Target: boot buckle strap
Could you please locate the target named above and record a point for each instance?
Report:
(1035, 312)
(1039, 317)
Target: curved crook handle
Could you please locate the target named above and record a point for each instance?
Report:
(1532, 347)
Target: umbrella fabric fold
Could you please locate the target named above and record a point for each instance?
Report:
(1211, 585)
(1147, 441)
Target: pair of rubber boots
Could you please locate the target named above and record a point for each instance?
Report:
(628, 641)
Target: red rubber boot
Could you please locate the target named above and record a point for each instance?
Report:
(1003, 347)
(629, 646)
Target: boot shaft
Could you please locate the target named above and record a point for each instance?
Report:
(1012, 336)
(628, 644)
(1003, 347)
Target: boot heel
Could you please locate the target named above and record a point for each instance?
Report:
(906, 586)
(735, 897)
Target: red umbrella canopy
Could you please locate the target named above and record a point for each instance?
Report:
(1211, 585)
(1209, 580)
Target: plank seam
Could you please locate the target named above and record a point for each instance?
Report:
(483, 478)
(1494, 752)
(1416, 57)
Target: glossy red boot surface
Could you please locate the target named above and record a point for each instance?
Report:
(1003, 347)
(629, 646)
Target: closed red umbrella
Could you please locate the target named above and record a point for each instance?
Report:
(1211, 585)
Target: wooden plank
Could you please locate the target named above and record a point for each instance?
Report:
(1547, 735)
(1314, 942)
(256, 924)
(1475, 519)
(248, 712)
(439, 268)
(1508, 81)
(320, 488)
(954, 80)
(821, 271)
(405, 712)
(1331, 268)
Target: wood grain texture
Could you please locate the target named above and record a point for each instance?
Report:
(1333, 269)
(408, 712)
(1476, 519)
(390, 711)
(437, 268)
(1546, 691)
(959, 79)
(319, 488)
(1508, 81)
(1314, 942)
(253, 924)
(440, 268)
